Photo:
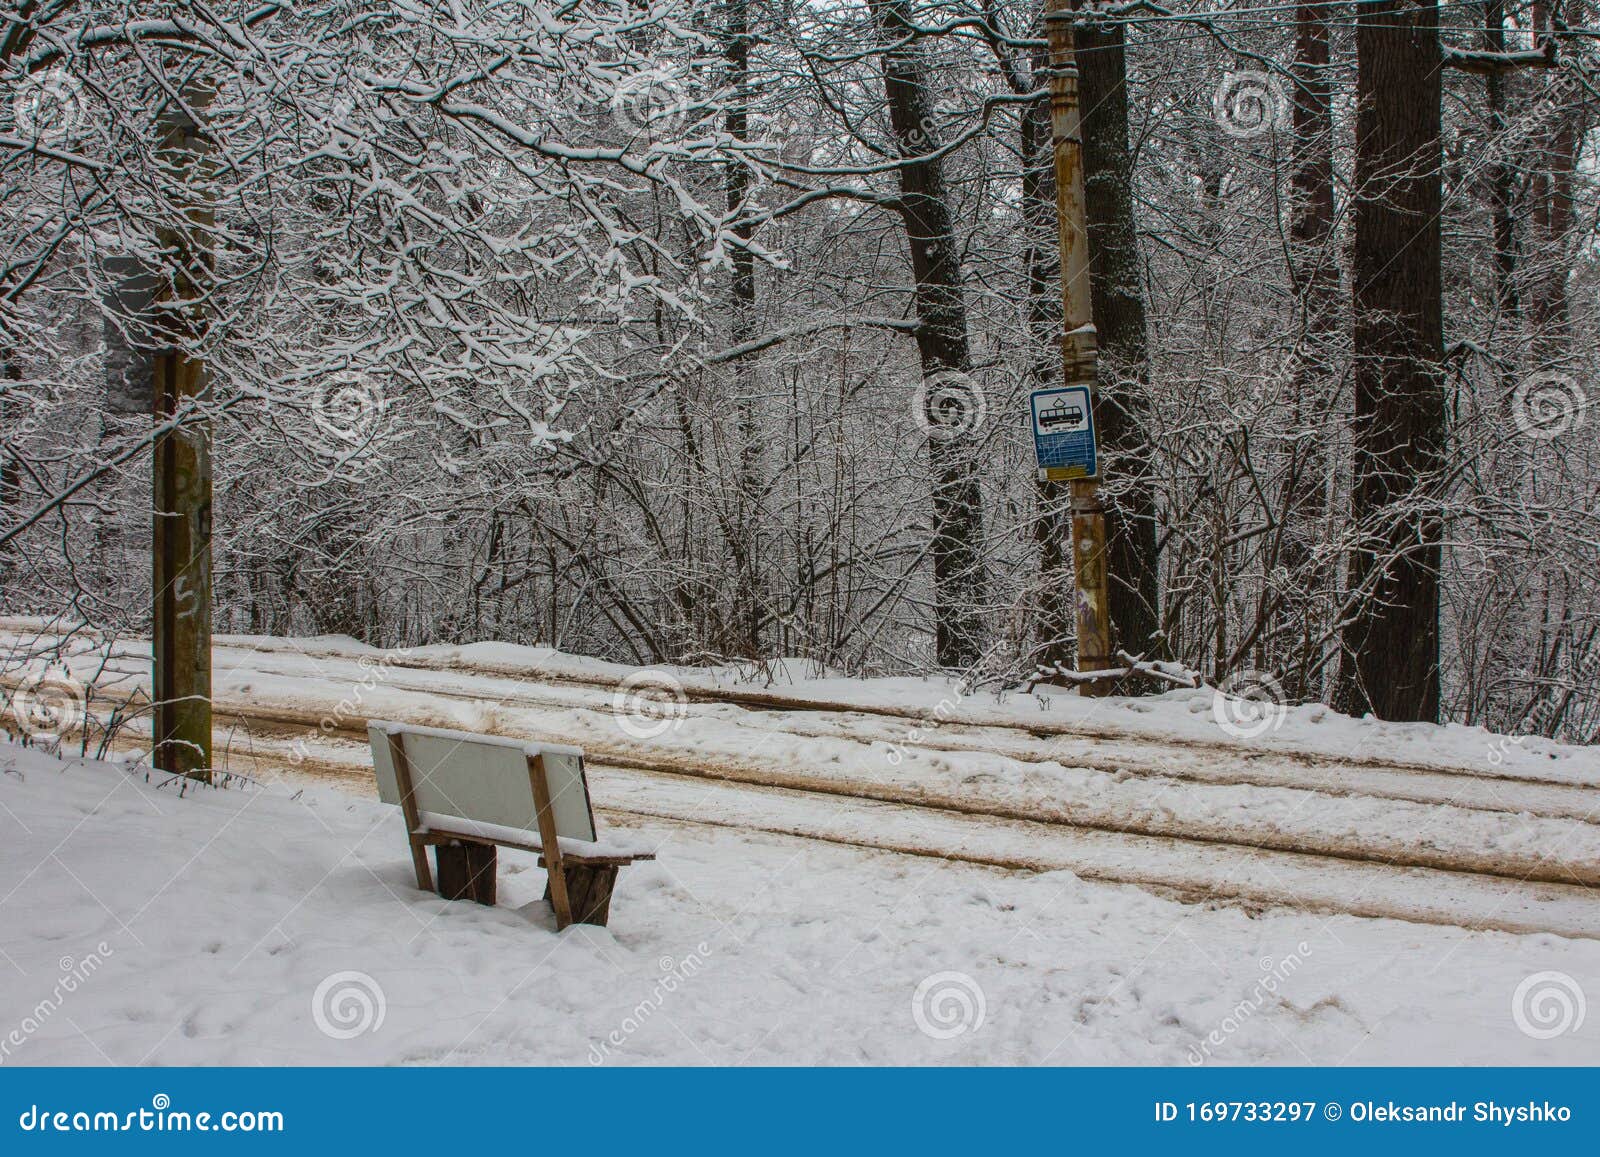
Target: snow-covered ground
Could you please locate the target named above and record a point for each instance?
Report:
(279, 924)
(1188, 790)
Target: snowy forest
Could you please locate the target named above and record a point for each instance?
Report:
(695, 331)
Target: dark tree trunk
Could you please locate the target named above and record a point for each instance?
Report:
(743, 539)
(960, 581)
(1501, 176)
(1315, 272)
(10, 467)
(1315, 266)
(1132, 563)
(1391, 640)
(1555, 163)
(1312, 224)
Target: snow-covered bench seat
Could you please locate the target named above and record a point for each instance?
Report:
(464, 795)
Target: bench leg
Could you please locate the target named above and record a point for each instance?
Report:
(589, 888)
(467, 871)
(419, 864)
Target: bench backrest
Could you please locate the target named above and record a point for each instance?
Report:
(483, 779)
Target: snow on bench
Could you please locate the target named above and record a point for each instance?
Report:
(465, 794)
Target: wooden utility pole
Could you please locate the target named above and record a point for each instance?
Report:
(181, 522)
(1079, 350)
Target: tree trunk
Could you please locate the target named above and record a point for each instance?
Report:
(1501, 176)
(1132, 562)
(10, 467)
(960, 581)
(1555, 162)
(744, 540)
(1391, 640)
(1314, 270)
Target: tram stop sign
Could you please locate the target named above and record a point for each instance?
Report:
(1063, 433)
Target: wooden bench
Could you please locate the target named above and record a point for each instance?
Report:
(464, 795)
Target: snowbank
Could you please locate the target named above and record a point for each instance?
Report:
(269, 924)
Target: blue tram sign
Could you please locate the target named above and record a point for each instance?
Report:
(1063, 433)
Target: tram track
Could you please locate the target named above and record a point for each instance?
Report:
(1258, 827)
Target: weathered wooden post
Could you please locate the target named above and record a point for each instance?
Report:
(1079, 350)
(181, 521)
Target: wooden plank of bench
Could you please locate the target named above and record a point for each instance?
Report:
(408, 809)
(551, 840)
(437, 835)
(590, 880)
(605, 861)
